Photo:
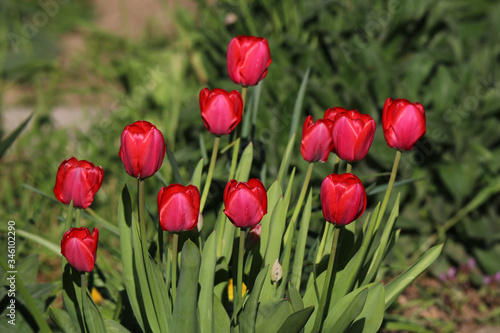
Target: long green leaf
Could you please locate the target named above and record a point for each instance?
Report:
(249, 314)
(298, 259)
(285, 162)
(245, 164)
(93, 318)
(206, 282)
(296, 321)
(7, 142)
(185, 316)
(127, 253)
(272, 314)
(299, 101)
(63, 320)
(399, 284)
(371, 317)
(345, 311)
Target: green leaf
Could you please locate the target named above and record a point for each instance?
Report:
(285, 162)
(7, 142)
(71, 294)
(345, 311)
(371, 317)
(93, 317)
(299, 101)
(27, 268)
(144, 294)
(399, 284)
(222, 323)
(63, 320)
(383, 244)
(276, 229)
(300, 248)
(206, 282)
(245, 164)
(160, 294)
(296, 321)
(175, 167)
(295, 298)
(196, 177)
(248, 316)
(185, 316)
(272, 314)
(127, 253)
(273, 195)
(114, 327)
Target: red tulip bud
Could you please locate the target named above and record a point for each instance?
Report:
(403, 123)
(253, 237)
(343, 198)
(179, 207)
(245, 203)
(221, 111)
(142, 149)
(316, 140)
(352, 135)
(79, 247)
(248, 58)
(78, 181)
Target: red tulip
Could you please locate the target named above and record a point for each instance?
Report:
(316, 140)
(142, 149)
(403, 123)
(78, 181)
(179, 207)
(248, 58)
(221, 111)
(331, 113)
(343, 198)
(245, 203)
(352, 135)
(79, 247)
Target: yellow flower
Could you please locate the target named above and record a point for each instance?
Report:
(96, 296)
(230, 290)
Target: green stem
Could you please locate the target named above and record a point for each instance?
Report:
(29, 302)
(348, 168)
(210, 173)
(140, 202)
(237, 140)
(175, 246)
(83, 288)
(239, 280)
(69, 218)
(337, 164)
(321, 247)
(160, 245)
(388, 190)
(328, 279)
(77, 217)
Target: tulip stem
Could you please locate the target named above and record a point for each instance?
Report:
(69, 218)
(388, 190)
(328, 280)
(140, 203)
(175, 245)
(77, 217)
(236, 148)
(83, 288)
(348, 168)
(337, 164)
(239, 280)
(210, 173)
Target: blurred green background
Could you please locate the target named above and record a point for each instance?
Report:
(87, 69)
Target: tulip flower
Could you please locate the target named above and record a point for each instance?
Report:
(403, 123)
(248, 58)
(79, 247)
(316, 140)
(78, 181)
(221, 111)
(353, 135)
(179, 207)
(343, 198)
(245, 203)
(142, 149)
(331, 113)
